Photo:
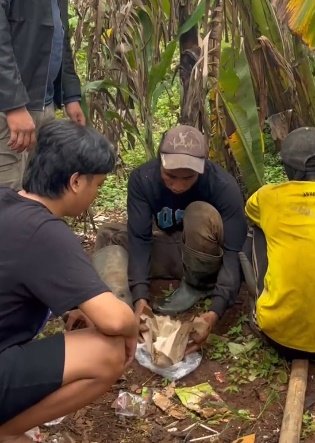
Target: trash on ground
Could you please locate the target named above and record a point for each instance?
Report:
(166, 339)
(246, 439)
(202, 399)
(55, 422)
(35, 434)
(163, 400)
(211, 434)
(174, 372)
(219, 376)
(130, 405)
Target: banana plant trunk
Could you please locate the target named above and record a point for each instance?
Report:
(189, 56)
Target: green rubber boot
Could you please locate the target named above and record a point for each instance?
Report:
(200, 275)
(111, 263)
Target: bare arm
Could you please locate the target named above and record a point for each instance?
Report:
(110, 315)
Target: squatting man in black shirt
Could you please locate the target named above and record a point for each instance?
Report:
(43, 267)
(185, 221)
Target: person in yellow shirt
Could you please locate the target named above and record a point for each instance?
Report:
(283, 252)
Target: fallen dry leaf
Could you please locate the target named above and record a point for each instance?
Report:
(246, 439)
(169, 407)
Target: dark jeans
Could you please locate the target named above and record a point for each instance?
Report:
(256, 251)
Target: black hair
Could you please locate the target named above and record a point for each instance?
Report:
(64, 148)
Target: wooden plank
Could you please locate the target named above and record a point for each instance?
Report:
(294, 406)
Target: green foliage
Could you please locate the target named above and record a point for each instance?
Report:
(308, 424)
(113, 194)
(274, 172)
(237, 93)
(248, 358)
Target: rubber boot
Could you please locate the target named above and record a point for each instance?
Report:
(249, 275)
(111, 263)
(200, 275)
(250, 280)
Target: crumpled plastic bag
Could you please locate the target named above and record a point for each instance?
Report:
(35, 435)
(174, 372)
(130, 405)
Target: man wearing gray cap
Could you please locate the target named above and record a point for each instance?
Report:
(185, 221)
(284, 250)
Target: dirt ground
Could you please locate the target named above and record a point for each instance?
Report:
(98, 423)
(255, 411)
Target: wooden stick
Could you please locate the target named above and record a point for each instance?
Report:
(294, 406)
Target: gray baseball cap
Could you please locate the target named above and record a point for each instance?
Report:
(298, 149)
(184, 147)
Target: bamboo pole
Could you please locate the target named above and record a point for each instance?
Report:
(294, 406)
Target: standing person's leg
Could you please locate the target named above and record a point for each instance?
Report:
(11, 162)
(39, 117)
(46, 379)
(45, 116)
(202, 255)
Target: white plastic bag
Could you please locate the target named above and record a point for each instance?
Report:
(175, 372)
(34, 434)
(55, 422)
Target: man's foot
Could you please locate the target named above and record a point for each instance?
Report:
(16, 439)
(182, 299)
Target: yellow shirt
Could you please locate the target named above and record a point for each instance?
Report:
(286, 308)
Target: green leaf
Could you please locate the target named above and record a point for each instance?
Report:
(237, 93)
(111, 115)
(106, 85)
(195, 17)
(157, 94)
(282, 377)
(159, 70)
(166, 7)
(235, 348)
(300, 15)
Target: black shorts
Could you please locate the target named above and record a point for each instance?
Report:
(29, 373)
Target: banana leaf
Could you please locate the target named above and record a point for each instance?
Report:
(300, 16)
(237, 93)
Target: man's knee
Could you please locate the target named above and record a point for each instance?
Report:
(112, 357)
(92, 355)
(111, 234)
(203, 227)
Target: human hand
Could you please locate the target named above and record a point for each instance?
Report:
(130, 350)
(203, 326)
(75, 113)
(77, 320)
(22, 129)
(141, 306)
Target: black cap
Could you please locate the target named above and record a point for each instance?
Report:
(298, 148)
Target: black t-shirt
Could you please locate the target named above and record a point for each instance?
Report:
(149, 198)
(42, 267)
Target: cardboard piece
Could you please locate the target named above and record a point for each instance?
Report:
(166, 339)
